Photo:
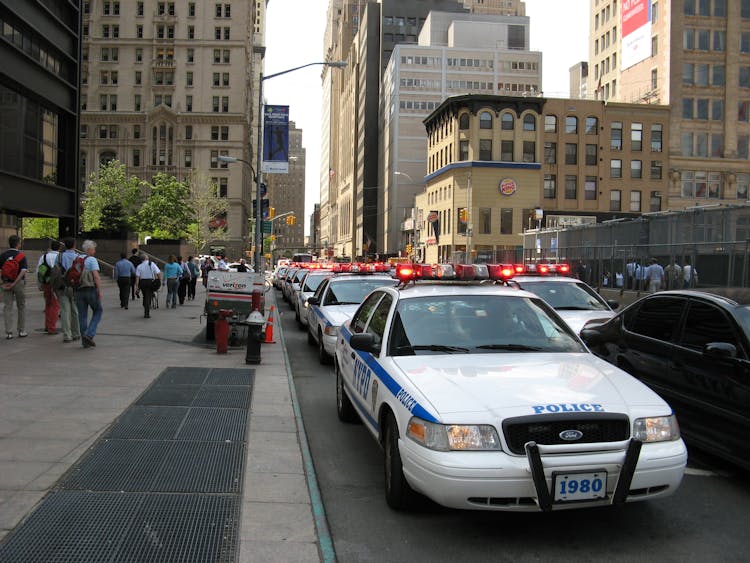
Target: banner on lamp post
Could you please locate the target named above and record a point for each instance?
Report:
(275, 140)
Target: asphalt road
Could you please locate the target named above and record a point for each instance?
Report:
(706, 520)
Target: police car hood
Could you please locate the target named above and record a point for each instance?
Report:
(338, 314)
(577, 319)
(522, 384)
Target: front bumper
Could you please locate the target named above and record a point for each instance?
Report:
(499, 481)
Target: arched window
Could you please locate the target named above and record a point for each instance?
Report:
(485, 120)
(106, 157)
(529, 122)
(463, 122)
(506, 122)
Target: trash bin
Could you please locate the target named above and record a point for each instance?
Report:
(255, 336)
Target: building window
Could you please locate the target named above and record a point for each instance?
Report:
(571, 124)
(529, 151)
(589, 188)
(214, 159)
(189, 79)
(654, 79)
(506, 151)
(654, 45)
(188, 159)
(701, 108)
(485, 149)
(191, 32)
(615, 168)
(188, 103)
(191, 55)
(507, 122)
(139, 9)
(463, 122)
(742, 145)
(616, 138)
(463, 150)
(717, 145)
(591, 155)
(188, 132)
(635, 201)
(550, 124)
(506, 221)
(215, 104)
(550, 153)
(571, 153)
(191, 9)
(529, 123)
(636, 137)
(615, 197)
(550, 186)
(139, 31)
(485, 120)
(225, 104)
(571, 187)
(688, 105)
(136, 157)
(636, 169)
(136, 131)
(656, 169)
(485, 221)
(717, 110)
(656, 137)
(592, 126)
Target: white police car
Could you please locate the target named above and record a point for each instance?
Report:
(307, 288)
(575, 301)
(334, 302)
(483, 398)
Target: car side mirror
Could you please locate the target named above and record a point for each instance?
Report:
(720, 350)
(613, 304)
(591, 336)
(313, 300)
(364, 342)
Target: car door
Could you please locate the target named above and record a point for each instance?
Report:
(710, 394)
(357, 325)
(313, 312)
(647, 339)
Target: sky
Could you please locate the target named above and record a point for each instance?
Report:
(294, 37)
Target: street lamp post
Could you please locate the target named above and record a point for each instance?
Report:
(258, 255)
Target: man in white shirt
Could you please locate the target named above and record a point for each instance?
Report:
(51, 302)
(689, 275)
(145, 274)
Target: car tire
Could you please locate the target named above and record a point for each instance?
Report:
(344, 407)
(310, 337)
(398, 493)
(323, 356)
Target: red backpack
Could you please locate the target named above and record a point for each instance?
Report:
(11, 267)
(74, 273)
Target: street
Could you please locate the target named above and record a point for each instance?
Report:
(703, 521)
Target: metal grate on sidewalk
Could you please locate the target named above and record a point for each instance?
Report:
(163, 483)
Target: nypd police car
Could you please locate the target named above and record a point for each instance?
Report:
(483, 398)
(334, 302)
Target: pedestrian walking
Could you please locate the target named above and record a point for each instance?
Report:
(222, 265)
(13, 268)
(69, 323)
(172, 274)
(184, 280)
(654, 276)
(630, 269)
(194, 273)
(208, 265)
(124, 275)
(135, 259)
(89, 296)
(146, 275)
(47, 261)
(242, 267)
(673, 273)
(689, 275)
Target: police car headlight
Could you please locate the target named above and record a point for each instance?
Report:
(448, 437)
(656, 429)
(331, 330)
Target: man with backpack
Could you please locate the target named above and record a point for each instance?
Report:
(47, 261)
(83, 275)
(13, 268)
(65, 294)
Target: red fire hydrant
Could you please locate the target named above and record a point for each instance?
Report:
(221, 330)
(256, 301)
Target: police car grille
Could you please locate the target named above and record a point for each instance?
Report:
(546, 429)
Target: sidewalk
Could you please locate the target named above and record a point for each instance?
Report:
(56, 399)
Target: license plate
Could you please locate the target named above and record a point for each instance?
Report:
(575, 486)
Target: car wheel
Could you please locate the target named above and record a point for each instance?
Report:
(344, 406)
(310, 337)
(323, 356)
(398, 494)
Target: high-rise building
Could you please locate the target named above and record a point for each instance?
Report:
(167, 86)
(693, 56)
(39, 46)
(286, 192)
(457, 54)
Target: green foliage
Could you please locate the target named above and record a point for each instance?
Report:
(168, 211)
(207, 205)
(111, 199)
(32, 227)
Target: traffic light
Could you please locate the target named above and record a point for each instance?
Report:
(264, 208)
(463, 215)
(291, 220)
(408, 249)
(271, 212)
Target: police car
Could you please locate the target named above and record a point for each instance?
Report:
(307, 288)
(334, 302)
(483, 398)
(575, 301)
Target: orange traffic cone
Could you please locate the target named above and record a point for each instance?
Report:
(269, 328)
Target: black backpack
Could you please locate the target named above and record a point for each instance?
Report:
(57, 274)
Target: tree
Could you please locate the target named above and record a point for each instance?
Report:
(40, 227)
(208, 208)
(111, 199)
(168, 211)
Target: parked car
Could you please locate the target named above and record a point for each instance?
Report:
(693, 349)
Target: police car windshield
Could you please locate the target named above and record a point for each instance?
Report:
(477, 324)
(566, 296)
(313, 281)
(353, 291)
